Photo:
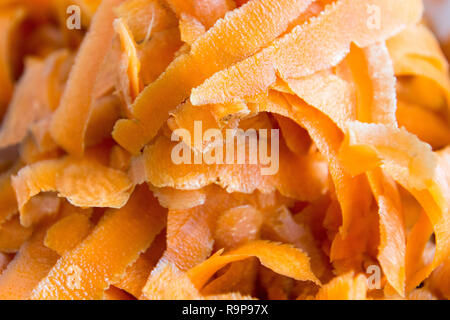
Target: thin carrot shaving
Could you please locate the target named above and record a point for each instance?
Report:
(113, 245)
(282, 259)
(421, 294)
(189, 236)
(255, 74)
(4, 261)
(174, 199)
(373, 75)
(440, 280)
(421, 58)
(190, 233)
(39, 208)
(158, 52)
(424, 123)
(181, 287)
(83, 183)
(13, 235)
(10, 20)
(32, 151)
(105, 112)
(29, 92)
(29, 266)
(68, 232)
(75, 103)
(119, 159)
(420, 174)
(130, 59)
(328, 93)
(145, 17)
(190, 28)
(328, 137)
(106, 79)
(136, 275)
(8, 201)
(57, 71)
(224, 149)
(206, 11)
(376, 103)
(40, 133)
(296, 138)
(417, 240)
(113, 293)
(239, 277)
(405, 157)
(188, 117)
(435, 203)
(263, 21)
(346, 287)
(237, 226)
(392, 247)
(245, 177)
(280, 225)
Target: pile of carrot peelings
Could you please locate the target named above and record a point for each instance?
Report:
(121, 125)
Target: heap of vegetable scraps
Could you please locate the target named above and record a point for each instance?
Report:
(351, 98)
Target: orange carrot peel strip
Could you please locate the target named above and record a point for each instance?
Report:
(318, 45)
(114, 244)
(29, 266)
(263, 21)
(83, 182)
(68, 232)
(206, 11)
(10, 19)
(131, 60)
(412, 164)
(282, 259)
(75, 105)
(345, 287)
(167, 282)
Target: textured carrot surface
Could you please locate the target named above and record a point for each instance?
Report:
(224, 149)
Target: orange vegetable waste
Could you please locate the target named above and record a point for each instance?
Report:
(224, 150)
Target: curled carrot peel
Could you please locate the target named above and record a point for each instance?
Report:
(224, 149)
(29, 266)
(8, 201)
(76, 101)
(146, 17)
(392, 247)
(152, 107)
(273, 256)
(131, 60)
(425, 61)
(190, 29)
(234, 178)
(395, 157)
(27, 93)
(373, 74)
(68, 232)
(318, 50)
(111, 190)
(39, 208)
(125, 232)
(13, 235)
(206, 11)
(346, 287)
(414, 117)
(136, 275)
(182, 288)
(10, 19)
(424, 178)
